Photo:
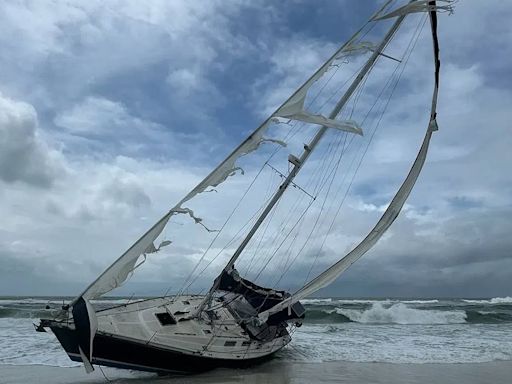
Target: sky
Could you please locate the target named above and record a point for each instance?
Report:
(110, 112)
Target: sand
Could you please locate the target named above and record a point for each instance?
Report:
(278, 372)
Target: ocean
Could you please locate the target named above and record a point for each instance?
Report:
(350, 330)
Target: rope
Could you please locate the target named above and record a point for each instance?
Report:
(105, 376)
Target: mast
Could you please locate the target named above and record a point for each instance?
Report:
(308, 149)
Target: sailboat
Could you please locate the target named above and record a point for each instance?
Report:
(239, 322)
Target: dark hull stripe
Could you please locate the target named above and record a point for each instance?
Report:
(123, 365)
(120, 353)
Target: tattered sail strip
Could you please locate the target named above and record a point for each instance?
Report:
(357, 49)
(294, 110)
(391, 212)
(419, 6)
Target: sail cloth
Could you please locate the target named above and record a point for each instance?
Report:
(294, 110)
(119, 271)
(357, 49)
(419, 6)
(391, 213)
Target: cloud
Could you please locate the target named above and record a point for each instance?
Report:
(24, 156)
(137, 102)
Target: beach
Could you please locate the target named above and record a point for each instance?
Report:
(277, 372)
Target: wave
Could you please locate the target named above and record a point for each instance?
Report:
(433, 301)
(316, 301)
(328, 301)
(488, 317)
(495, 300)
(27, 313)
(400, 313)
(325, 317)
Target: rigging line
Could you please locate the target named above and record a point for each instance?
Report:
(320, 168)
(286, 219)
(292, 183)
(203, 255)
(324, 167)
(373, 133)
(235, 237)
(286, 237)
(260, 237)
(288, 251)
(234, 210)
(269, 220)
(268, 195)
(327, 177)
(358, 95)
(180, 291)
(337, 192)
(105, 376)
(281, 227)
(409, 51)
(287, 267)
(329, 174)
(352, 139)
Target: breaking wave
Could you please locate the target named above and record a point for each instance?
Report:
(401, 313)
(495, 300)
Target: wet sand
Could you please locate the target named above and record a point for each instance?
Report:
(278, 372)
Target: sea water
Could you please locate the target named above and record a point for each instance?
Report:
(357, 330)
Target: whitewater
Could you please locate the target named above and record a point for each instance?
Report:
(353, 330)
